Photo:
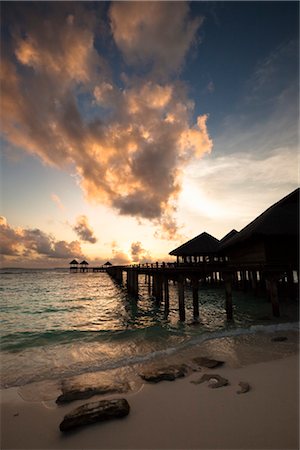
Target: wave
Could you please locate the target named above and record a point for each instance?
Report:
(120, 362)
(21, 340)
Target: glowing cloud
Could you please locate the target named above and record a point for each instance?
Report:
(131, 150)
(139, 254)
(19, 245)
(154, 33)
(58, 202)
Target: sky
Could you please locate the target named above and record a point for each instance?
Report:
(128, 128)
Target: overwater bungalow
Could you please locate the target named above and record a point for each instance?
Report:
(268, 247)
(74, 266)
(84, 266)
(202, 248)
(272, 239)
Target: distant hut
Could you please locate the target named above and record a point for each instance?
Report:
(74, 266)
(199, 249)
(84, 266)
(107, 264)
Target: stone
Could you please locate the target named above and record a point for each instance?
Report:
(95, 412)
(245, 387)
(70, 394)
(279, 339)
(165, 374)
(207, 362)
(218, 380)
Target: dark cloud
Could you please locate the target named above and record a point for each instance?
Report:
(139, 254)
(158, 34)
(129, 144)
(34, 244)
(84, 231)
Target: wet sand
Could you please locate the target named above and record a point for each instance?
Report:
(180, 414)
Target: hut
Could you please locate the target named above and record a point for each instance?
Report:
(268, 247)
(228, 236)
(271, 239)
(84, 266)
(74, 266)
(202, 248)
(107, 264)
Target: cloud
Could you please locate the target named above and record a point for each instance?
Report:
(128, 139)
(236, 187)
(83, 230)
(21, 244)
(58, 202)
(119, 257)
(157, 34)
(139, 254)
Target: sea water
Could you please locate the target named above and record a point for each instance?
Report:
(55, 324)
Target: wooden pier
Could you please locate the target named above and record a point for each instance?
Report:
(228, 277)
(262, 257)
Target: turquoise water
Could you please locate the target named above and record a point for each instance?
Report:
(56, 324)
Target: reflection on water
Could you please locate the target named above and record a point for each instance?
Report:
(55, 324)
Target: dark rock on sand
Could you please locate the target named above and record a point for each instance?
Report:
(95, 412)
(220, 381)
(279, 339)
(78, 393)
(208, 363)
(165, 374)
(245, 387)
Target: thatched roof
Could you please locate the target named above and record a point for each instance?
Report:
(74, 262)
(280, 219)
(228, 236)
(107, 263)
(84, 263)
(204, 244)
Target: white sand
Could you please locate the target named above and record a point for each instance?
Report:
(174, 415)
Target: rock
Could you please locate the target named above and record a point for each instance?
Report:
(165, 374)
(95, 412)
(79, 393)
(208, 363)
(279, 339)
(245, 387)
(207, 377)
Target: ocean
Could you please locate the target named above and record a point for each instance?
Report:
(56, 325)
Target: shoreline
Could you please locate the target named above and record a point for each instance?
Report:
(204, 340)
(178, 414)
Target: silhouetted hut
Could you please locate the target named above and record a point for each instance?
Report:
(84, 266)
(199, 249)
(107, 264)
(228, 236)
(271, 239)
(74, 266)
(268, 247)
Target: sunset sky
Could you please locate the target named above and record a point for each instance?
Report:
(128, 128)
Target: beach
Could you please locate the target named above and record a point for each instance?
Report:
(180, 414)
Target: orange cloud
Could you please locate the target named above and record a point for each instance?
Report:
(131, 156)
(84, 230)
(139, 254)
(58, 202)
(25, 244)
(155, 33)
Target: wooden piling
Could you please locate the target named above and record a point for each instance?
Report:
(166, 295)
(227, 277)
(195, 289)
(273, 294)
(181, 304)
